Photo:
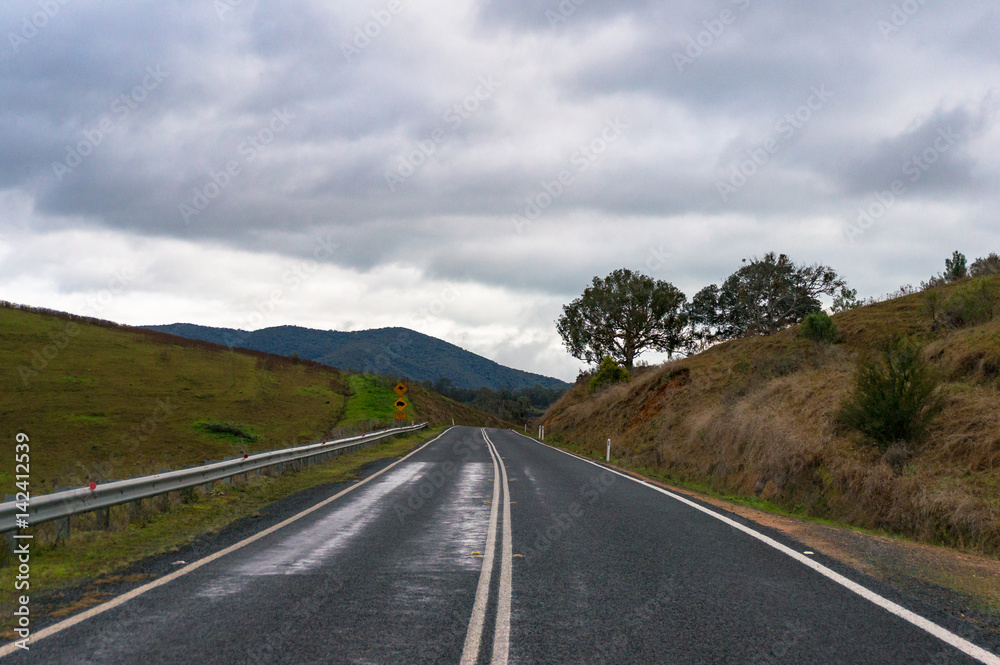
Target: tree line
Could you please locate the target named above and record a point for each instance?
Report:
(626, 313)
(517, 406)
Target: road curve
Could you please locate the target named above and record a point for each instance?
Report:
(484, 546)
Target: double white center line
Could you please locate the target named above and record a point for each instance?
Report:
(501, 632)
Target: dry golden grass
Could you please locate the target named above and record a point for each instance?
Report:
(756, 417)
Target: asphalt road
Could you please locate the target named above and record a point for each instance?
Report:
(508, 552)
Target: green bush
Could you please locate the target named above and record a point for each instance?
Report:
(608, 373)
(819, 327)
(230, 429)
(932, 303)
(972, 303)
(893, 400)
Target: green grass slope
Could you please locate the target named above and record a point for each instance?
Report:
(756, 418)
(103, 402)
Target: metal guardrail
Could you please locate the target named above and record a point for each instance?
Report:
(64, 504)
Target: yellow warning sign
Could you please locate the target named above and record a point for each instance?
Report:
(401, 415)
(400, 389)
(400, 404)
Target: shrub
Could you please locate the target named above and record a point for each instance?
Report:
(972, 303)
(608, 373)
(893, 400)
(932, 303)
(585, 376)
(819, 327)
(230, 429)
(954, 270)
(955, 267)
(985, 265)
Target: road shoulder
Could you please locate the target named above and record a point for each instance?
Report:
(954, 583)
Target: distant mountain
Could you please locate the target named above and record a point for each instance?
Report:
(395, 351)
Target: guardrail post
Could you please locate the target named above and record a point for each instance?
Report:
(62, 528)
(104, 518)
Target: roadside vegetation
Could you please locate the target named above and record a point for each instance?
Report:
(515, 406)
(372, 396)
(894, 398)
(608, 373)
(819, 327)
(884, 415)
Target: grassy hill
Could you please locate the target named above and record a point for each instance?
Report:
(102, 401)
(389, 351)
(756, 418)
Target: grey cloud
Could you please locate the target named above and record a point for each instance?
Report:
(324, 174)
(757, 65)
(931, 157)
(549, 15)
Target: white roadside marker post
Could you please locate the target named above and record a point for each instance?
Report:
(609, 451)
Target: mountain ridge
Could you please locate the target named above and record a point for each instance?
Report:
(395, 351)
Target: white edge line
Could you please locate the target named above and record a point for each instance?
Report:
(934, 629)
(501, 634)
(125, 597)
(474, 636)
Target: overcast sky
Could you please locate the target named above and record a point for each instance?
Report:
(464, 168)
